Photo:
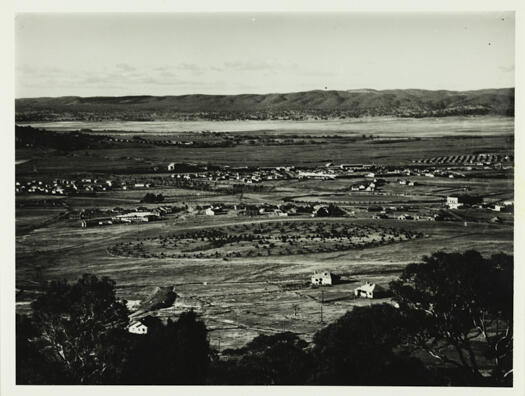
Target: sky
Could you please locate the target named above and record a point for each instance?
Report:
(176, 54)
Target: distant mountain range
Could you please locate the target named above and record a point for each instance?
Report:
(296, 105)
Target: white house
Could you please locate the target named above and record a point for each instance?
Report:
(171, 166)
(323, 278)
(453, 203)
(138, 327)
(368, 290)
(209, 212)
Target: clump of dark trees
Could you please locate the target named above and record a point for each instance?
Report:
(26, 136)
(152, 198)
(450, 324)
(330, 211)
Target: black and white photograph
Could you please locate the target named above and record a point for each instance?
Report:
(264, 198)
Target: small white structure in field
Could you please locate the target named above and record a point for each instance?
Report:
(454, 203)
(138, 328)
(210, 212)
(368, 290)
(322, 278)
(171, 166)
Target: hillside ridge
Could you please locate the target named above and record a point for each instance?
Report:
(294, 105)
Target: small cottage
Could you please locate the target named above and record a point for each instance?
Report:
(369, 290)
(138, 327)
(324, 278)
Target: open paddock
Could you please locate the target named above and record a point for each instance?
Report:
(137, 160)
(244, 296)
(28, 219)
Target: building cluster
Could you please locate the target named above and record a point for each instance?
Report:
(265, 209)
(75, 186)
(97, 217)
(368, 185)
(392, 212)
(367, 290)
(476, 202)
(241, 175)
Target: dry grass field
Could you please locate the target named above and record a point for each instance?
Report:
(240, 297)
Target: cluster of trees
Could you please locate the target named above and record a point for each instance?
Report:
(330, 211)
(450, 324)
(262, 239)
(26, 136)
(152, 198)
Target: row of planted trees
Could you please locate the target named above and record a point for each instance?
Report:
(452, 325)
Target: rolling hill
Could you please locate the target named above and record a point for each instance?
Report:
(296, 105)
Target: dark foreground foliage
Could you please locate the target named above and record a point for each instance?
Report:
(26, 136)
(450, 324)
(463, 303)
(78, 335)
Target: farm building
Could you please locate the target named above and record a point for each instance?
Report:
(324, 278)
(96, 222)
(405, 217)
(171, 166)
(142, 185)
(453, 202)
(280, 213)
(458, 201)
(369, 290)
(211, 211)
(315, 175)
(138, 327)
(138, 217)
(371, 187)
